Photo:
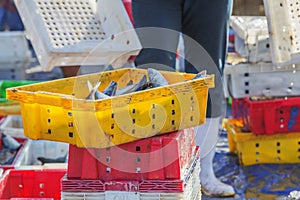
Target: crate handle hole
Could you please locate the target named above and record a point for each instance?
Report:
(49, 120)
(257, 145)
(246, 83)
(107, 159)
(49, 131)
(192, 108)
(153, 105)
(137, 148)
(70, 114)
(133, 110)
(70, 124)
(173, 101)
(112, 126)
(42, 194)
(112, 115)
(173, 122)
(108, 170)
(138, 170)
(71, 134)
(278, 151)
(278, 158)
(173, 112)
(278, 144)
(133, 121)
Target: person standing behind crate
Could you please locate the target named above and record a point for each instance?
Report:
(9, 17)
(206, 22)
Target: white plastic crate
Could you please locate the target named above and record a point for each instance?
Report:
(41, 148)
(13, 126)
(251, 38)
(261, 79)
(10, 72)
(284, 27)
(14, 50)
(78, 32)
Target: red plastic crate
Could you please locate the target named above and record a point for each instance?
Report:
(128, 7)
(33, 184)
(272, 116)
(160, 157)
(172, 185)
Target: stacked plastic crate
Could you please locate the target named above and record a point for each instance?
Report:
(126, 146)
(14, 55)
(265, 95)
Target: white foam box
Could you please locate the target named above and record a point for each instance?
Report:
(261, 79)
(284, 27)
(79, 32)
(251, 38)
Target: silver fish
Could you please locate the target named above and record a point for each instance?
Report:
(9, 142)
(156, 78)
(142, 84)
(53, 160)
(201, 74)
(94, 93)
(111, 89)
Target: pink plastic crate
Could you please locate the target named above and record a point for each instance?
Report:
(172, 185)
(271, 116)
(31, 184)
(160, 157)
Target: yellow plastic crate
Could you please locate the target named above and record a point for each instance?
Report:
(56, 110)
(257, 149)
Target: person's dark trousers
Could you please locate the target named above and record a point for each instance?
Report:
(205, 21)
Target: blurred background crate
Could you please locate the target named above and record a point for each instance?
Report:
(12, 125)
(31, 184)
(251, 38)
(269, 115)
(260, 149)
(40, 152)
(261, 79)
(284, 26)
(14, 50)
